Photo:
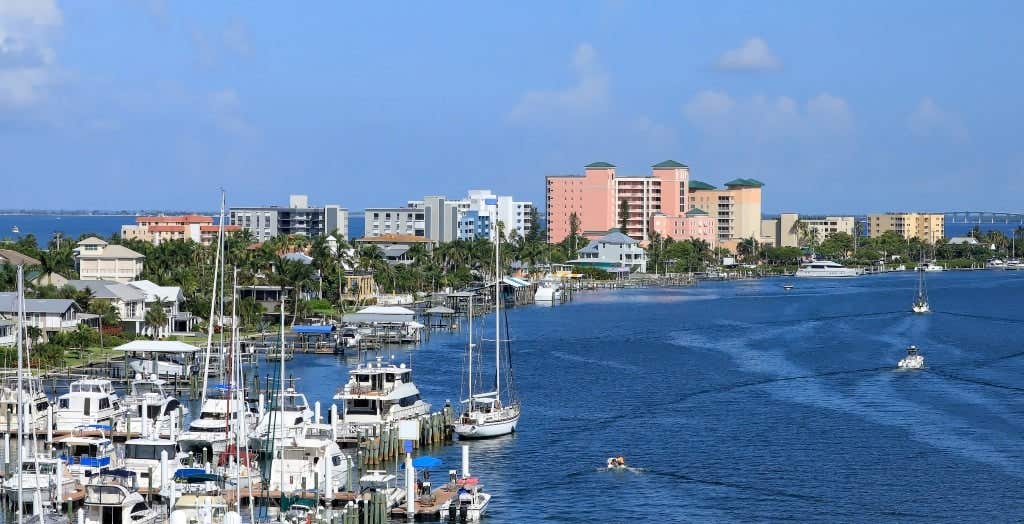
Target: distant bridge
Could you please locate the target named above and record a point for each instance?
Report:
(983, 217)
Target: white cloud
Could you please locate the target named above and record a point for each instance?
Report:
(753, 55)
(28, 63)
(768, 119)
(225, 109)
(929, 120)
(589, 96)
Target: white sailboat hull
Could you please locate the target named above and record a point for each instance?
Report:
(486, 429)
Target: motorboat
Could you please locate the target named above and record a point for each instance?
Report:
(995, 263)
(308, 458)
(201, 508)
(377, 394)
(616, 463)
(166, 364)
(549, 289)
(32, 395)
(88, 451)
(496, 412)
(113, 498)
(913, 360)
(787, 286)
(826, 269)
(291, 410)
(143, 457)
(383, 482)
(215, 427)
(470, 504)
(152, 410)
(1013, 265)
(349, 337)
(15, 229)
(87, 402)
(930, 267)
(921, 299)
(40, 475)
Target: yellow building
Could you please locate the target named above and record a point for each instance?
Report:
(929, 227)
(736, 209)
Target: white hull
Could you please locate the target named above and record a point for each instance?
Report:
(921, 308)
(547, 294)
(911, 362)
(487, 429)
(845, 272)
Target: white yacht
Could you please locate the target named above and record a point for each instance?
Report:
(826, 269)
(1013, 265)
(214, 429)
(39, 475)
(142, 457)
(290, 411)
(152, 410)
(201, 509)
(930, 267)
(349, 337)
(308, 458)
(486, 414)
(32, 394)
(88, 401)
(383, 482)
(995, 263)
(913, 360)
(88, 451)
(113, 498)
(549, 289)
(470, 504)
(377, 394)
(166, 364)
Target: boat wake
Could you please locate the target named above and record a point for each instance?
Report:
(623, 469)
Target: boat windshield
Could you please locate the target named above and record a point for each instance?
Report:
(294, 402)
(145, 388)
(148, 451)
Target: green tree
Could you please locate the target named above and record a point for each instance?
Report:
(156, 318)
(106, 310)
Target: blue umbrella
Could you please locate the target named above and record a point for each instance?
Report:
(425, 462)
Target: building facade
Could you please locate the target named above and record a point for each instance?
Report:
(157, 229)
(736, 209)
(96, 259)
(787, 229)
(613, 252)
(929, 227)
(443, 220)
(299, 218)
(657, 203)
(50, 315)
(380, 221)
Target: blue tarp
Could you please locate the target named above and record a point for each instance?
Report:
(313, 330)
(424, 462)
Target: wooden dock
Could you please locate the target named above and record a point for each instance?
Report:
(428, 507)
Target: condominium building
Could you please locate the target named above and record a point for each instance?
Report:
(929, 227)
(736, 209)
(157, 229)
(788, 229)
(481, 211)
(96, 259)
(299, 218)
(443, 220)
(381, 221)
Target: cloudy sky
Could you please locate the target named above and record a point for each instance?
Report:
(837, 107)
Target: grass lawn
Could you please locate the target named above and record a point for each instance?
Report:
(74, 357)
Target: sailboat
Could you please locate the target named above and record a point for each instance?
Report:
(921, 300)
(484, 415)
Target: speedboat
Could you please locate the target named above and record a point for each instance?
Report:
(826, 269)
(913, 360)
(15, 229)
(616, 463)
(470, 504)
(548, 290)
(113, 498)
(31, 394)
(215, 427)
(151, 409)
(377, 394)
(88, 401)
(787, 286)
(88, 451)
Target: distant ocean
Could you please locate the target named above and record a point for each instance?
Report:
(74, 226)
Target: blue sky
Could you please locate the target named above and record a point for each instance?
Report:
(836, 106)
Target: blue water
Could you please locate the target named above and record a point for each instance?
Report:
(74, 226)
(742, 402)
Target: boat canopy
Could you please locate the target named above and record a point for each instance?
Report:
(313, 330)
(195, 475)
(156, 346)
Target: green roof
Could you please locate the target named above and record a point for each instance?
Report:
(696, 185)
(599, 165)
(696, 212)
(744, 182)
(668, 164)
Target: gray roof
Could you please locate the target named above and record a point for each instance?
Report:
(109, 290)
(591, 247)
(91, 241)
(9, 304)
(298, 256)
(616, 237)
(9, 256)
(395, 251)
(440, 310)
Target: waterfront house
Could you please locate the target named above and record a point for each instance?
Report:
(170, 299)
(268, 297)
(50, 315)
(613, 252)
(129, 301)
(98, 260)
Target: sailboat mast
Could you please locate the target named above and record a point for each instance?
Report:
(282, 344)
(497, 316)
(470, 372)
(21, 400)
(213, 300)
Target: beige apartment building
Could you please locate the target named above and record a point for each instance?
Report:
(784, 231)
(98, 260)
(929, 227)
(735, 209)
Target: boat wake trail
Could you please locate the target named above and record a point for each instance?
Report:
(741, 487)
(981, 317)
(972, 380)
(752, 383)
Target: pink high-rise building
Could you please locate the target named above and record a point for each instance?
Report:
(654, 203)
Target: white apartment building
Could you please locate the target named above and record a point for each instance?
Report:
(98, 260)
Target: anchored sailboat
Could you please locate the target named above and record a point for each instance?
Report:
(484, 414)
(921, 300)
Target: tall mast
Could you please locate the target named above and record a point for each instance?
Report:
(236, 368)
(213, 300)
(231, 353)
(497, 316)
(282, 345)
(470, 375)
(21, 401)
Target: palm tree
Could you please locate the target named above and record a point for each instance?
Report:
(156, 318)
(296, 275)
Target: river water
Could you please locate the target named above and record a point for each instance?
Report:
(743, 402)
